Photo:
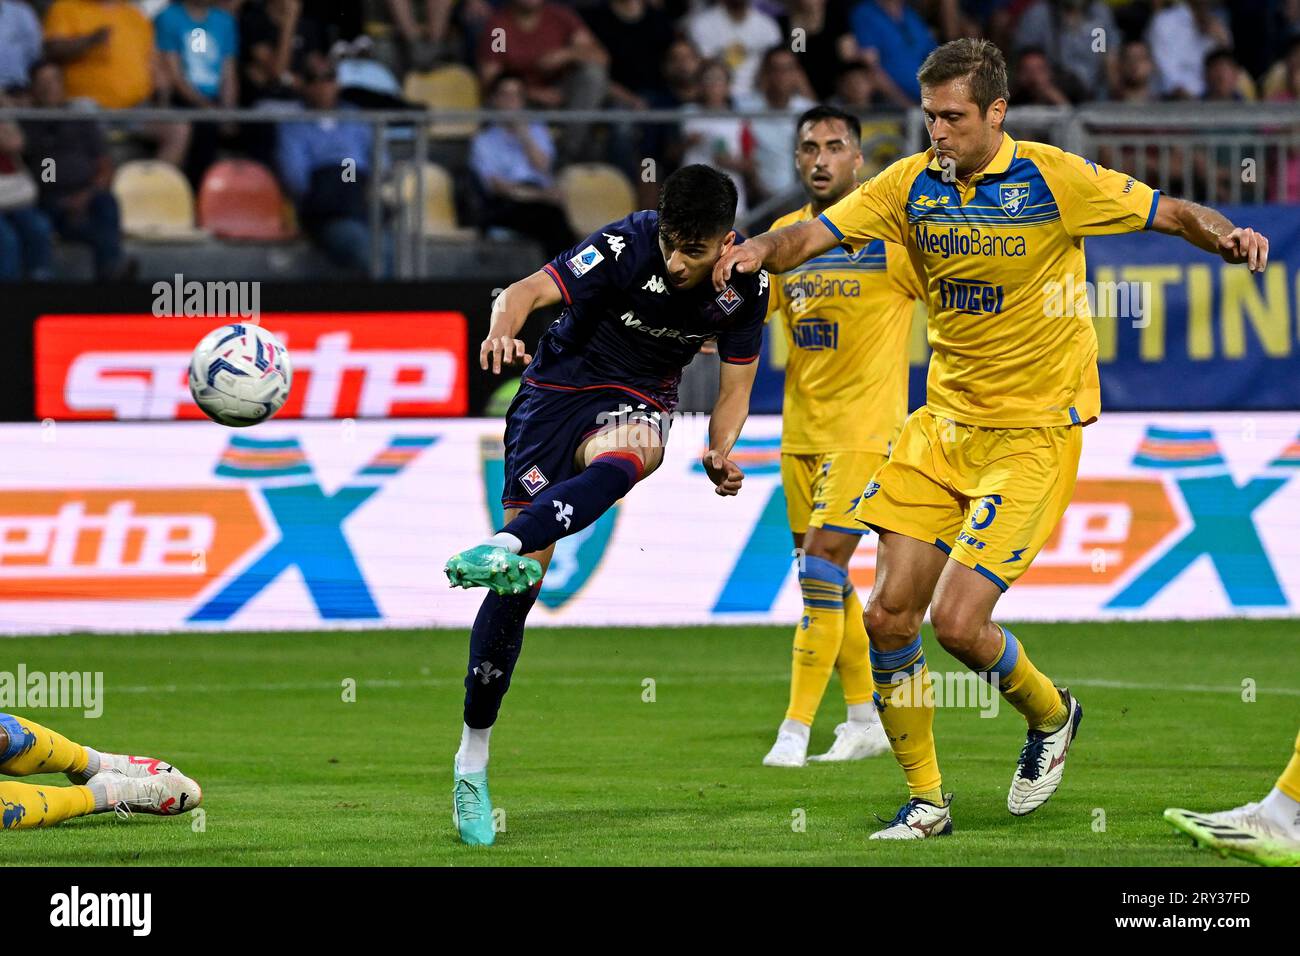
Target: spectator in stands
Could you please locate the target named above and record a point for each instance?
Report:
(274, 41)
(721, 141)
(547, 45)
(1037, 83)
(77, 199)
(26, 243)
(663, 142)
(818, 31)
(199, 45)
(900, 37)
(1282, 81)
(739, 34)
(20, 42)
(107, 51)
(780, 86)
(1223, 77)
(325, 167)
(854, 91)
(1136, 73)
(636, 36)
(513, 163)
(560, 61)
(1067, 32)
(1179, 37)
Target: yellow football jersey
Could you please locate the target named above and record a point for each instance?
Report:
(846, 318)
(1001, 259)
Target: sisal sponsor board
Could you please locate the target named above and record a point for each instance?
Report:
(346, 365)
(294, 524)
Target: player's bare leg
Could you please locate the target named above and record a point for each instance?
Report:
(824, 564)
(962, 616)
(907, 571)
(497, 636)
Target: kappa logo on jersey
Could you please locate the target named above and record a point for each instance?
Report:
(585, 261)
(730, 300)
(615, 242)
(533, 480)
(655, 284)
(1014, 198)
(762, 280)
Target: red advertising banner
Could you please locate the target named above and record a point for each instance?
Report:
(345, 365)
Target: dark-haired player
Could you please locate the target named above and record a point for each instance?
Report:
(592, 413)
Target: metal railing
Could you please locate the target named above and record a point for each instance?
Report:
(1218, 153)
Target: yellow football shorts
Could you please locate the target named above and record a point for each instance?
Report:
(989, 497)
(822, 490)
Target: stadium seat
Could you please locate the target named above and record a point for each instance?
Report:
(451, 87)
(240, 199)
(594, 194)
(156, 202)
(439, 201)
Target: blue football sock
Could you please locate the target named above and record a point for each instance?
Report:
(494, 646)
(570, 506)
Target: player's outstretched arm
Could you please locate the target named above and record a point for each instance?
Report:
(509, 313)
(736, 383)
(778, 251)
(1210, 230)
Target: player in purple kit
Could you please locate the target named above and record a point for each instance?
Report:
(592, 414)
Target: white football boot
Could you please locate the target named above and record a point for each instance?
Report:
(163, 794)
(1243, 832)
(918, 820)
(1042, 761)
(789, 750)
(127, 765)
(855, 740)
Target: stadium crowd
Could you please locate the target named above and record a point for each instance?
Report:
(631, 55)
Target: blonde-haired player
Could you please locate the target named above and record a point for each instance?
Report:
(846, 320)
(981, 474)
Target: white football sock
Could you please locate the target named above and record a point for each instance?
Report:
(795, 728)
(863, 713)
(1283, 811)
(504, 539)
(472, 757)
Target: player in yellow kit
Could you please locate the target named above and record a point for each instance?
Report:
(981, 474)
(846, 320)
(101, 782)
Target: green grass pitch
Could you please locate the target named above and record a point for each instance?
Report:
(588, 772)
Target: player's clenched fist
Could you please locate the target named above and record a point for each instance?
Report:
(502, 350)
(723, 472)
(1245, 245)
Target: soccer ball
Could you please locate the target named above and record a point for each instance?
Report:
(240, 375)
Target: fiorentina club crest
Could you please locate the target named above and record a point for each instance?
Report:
(1014, 197)
(533, 480)
(729, 300)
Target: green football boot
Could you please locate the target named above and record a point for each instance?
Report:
(490, 566)
(1242, 832)
(471, 808)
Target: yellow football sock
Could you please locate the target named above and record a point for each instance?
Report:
(817, 639)
(24, 806)
(854, 664)
(1025, 687)
(35, 749)
(1289, 782)
(902, 683)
